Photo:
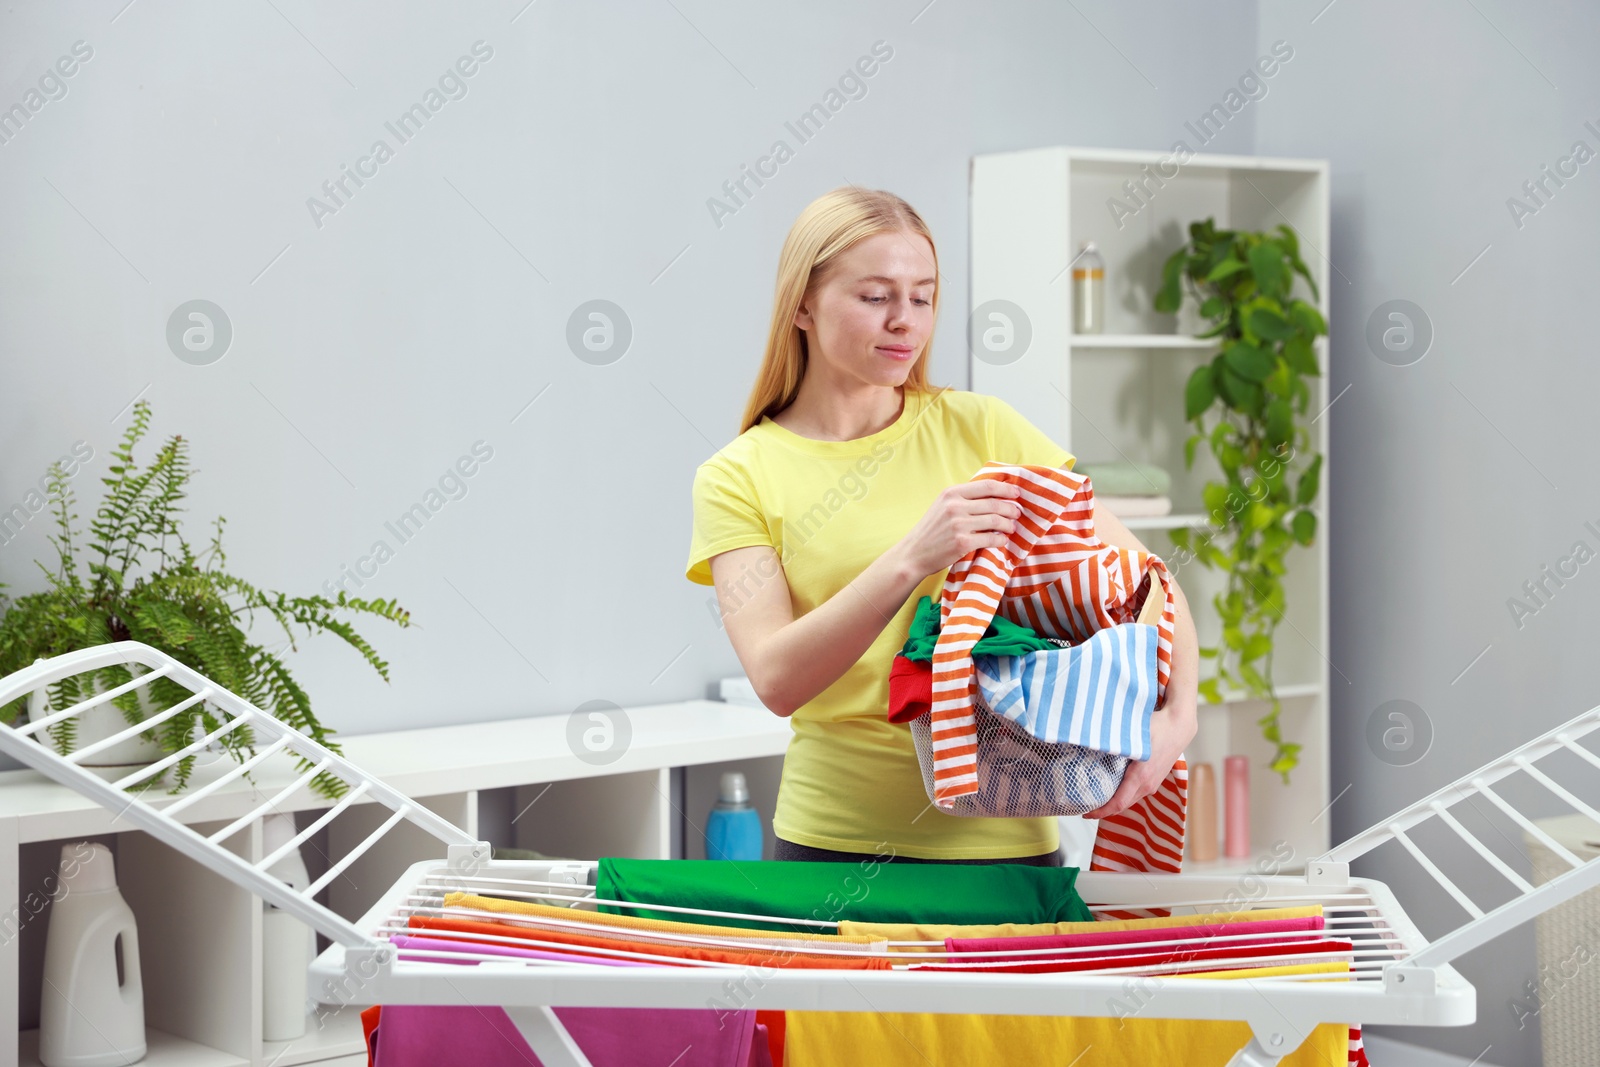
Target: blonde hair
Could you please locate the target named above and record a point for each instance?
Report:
(828, 226)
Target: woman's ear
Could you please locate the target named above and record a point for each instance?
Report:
(802, 316)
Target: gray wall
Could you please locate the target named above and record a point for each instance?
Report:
(430, 309)
(1459, 476)
(372, 351)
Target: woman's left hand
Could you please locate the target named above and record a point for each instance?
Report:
(1171, 730)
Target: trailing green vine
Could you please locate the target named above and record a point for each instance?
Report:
(1255, 388)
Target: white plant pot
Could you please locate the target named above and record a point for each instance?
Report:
(98, 723)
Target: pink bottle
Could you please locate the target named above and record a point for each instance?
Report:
(1236, 785)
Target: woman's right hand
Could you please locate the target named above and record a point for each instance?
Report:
(968, 516)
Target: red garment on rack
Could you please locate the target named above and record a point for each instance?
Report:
(1151, 958)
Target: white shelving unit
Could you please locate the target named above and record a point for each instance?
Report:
(515, 783)
(1119, 395)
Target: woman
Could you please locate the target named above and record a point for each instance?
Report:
(843, 501)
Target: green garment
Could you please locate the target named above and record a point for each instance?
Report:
(1002, 638)
(1126, 479)
(868, 891)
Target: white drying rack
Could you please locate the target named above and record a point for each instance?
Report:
(1397, 976)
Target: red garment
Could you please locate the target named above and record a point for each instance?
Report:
(1153, 958)
(369, 1026)
(910, 688)
(773, 1020)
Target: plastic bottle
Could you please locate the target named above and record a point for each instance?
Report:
(1236, 783)
(87, 1017)
(733, 830)
(1203, 813)
(1088, 291)
(287, 944)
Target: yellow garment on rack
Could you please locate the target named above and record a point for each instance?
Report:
(638, 924)
(929, 1039)
(934, 932)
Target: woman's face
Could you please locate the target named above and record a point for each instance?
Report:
(871, 319)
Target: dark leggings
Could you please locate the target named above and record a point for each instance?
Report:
(788, 850)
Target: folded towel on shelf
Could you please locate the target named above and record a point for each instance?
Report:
(1121, 478)
(1135, 507)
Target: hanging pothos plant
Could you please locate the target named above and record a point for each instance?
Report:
(1255, 389)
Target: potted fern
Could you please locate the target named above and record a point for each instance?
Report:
(1255, 389)
(139, 579)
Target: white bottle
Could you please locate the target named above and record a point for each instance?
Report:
(1088, 291)
(287, 944)
(86, 1017)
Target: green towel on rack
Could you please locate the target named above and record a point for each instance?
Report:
(935, 893)
(1002, 638)
(1126, 479)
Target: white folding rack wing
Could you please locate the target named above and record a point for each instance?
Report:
(1395, 976)
(127, 796)
(1483, 926)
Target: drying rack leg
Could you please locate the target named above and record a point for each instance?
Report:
(1253, 1055)
(547, 1037)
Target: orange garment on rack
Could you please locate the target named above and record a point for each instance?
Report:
(930, 1039)
(937, 932)
(520, 909)
(763, 957)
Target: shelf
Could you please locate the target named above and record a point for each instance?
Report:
(1140, 340)
(339, 1035)
(1226, 866)
(162, 1050)
(432, 762)
(1285, 692)
(1163, 522)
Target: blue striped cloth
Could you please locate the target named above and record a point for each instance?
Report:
(1099, 694)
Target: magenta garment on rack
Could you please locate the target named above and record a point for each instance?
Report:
(422, 1035)
(442, 944)
(1218, 934)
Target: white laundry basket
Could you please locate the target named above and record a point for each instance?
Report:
(1567, 998)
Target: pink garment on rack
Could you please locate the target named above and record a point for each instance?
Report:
(1114, 941)
(420, 1035)
(435, 945)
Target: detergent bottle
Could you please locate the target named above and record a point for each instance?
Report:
(88, 1015)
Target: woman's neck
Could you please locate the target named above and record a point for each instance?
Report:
(842, 418)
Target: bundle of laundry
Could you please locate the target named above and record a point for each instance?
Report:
(1130, 490)
(1048, 657)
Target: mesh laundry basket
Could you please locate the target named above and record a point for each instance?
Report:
(1020, 776)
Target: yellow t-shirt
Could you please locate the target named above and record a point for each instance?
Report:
(829, 509)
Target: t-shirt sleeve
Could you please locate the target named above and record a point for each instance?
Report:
(1013, 439)
(725, 517)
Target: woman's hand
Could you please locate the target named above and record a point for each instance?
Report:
(1171, 730)
(970, 515)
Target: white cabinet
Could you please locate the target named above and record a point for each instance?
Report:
(514, 783)
(1119, 395)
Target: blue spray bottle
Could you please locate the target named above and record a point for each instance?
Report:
(733, 830)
